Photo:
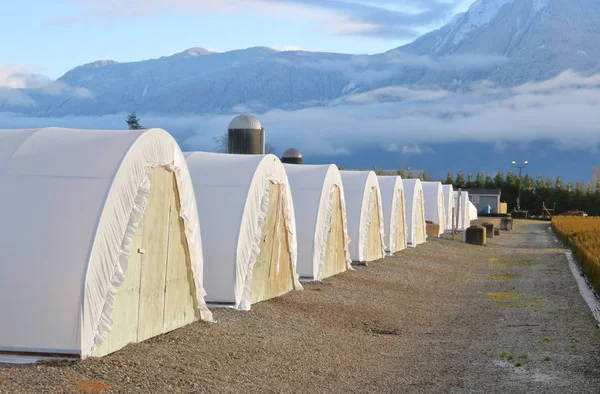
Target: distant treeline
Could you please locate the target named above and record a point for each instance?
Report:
(534, 192)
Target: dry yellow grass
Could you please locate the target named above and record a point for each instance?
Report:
(92, 387)
(583, 237)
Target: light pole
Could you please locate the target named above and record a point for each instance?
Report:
(520, 167)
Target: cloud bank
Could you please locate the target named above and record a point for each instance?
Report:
(563, 110)
(402, 19)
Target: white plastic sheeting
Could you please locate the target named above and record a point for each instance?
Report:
(313, 188)
(358, 186)
(434, 204)
(464, 220)
(449, 206)
(70, 203)
(413, 192)
(234, 195)
(392, 191)
(472, 212)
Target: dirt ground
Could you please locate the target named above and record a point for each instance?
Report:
(445, 317)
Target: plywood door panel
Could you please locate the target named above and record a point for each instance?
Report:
(374, 247)
(180, 299)
(335, 256)
(400, 232)
(126, 304)
(271, 274)
(155, 244)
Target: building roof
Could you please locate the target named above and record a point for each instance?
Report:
(480, 192)
(245, 122)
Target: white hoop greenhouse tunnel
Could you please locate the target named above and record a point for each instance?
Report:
(250, 237)
(321, 226)
(449, 206)
(464, 211)
(434, 204)
(365, 215)
(415, 212)
(101, 242)
(394, 213)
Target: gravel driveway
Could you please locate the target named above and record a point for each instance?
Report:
(445, 317)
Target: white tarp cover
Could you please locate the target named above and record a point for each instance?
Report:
(359, 202)
(392, 189)
(413, 193)
(472, 212)
(449, 206)
(463, 211)
(70, 203)
(434, 204)
(313, 191)
(234, 191)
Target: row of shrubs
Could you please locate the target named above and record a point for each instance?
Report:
(582, 235)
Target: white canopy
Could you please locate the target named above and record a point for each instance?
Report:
(392, 190)
(413, 191)
(313, 189)
(359, 203)
(463, 211)
(449, 206)
(434, 204)
(70, 203)
(234, 191)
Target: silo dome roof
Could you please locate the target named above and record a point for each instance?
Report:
(245, 122)
(292, 153)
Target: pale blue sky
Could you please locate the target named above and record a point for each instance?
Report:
(51, 37)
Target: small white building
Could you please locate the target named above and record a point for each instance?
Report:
(434, 204)
(321, 224)
(365, 215)
(394, 213)
(250, 244)
(415, 212)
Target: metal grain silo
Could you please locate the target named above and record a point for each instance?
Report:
(292, 156)
(246, 136)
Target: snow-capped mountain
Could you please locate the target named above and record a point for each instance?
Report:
(508, 42)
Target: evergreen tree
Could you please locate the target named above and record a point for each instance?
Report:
(410, 175)
(511, 180)
(470, 183)
(401, 172)
(450, 179)
(558, 185)
(460, 180)
(133, 122)
(489, 182)
(528, 182)
(549, 183)
(430, 178)
(479, 180)
(422, 176)
(539, 183)
(499, 180)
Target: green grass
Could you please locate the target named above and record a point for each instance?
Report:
(518, 364)
(503, 355)
(546, 339)
(573, 346)
(547, 358)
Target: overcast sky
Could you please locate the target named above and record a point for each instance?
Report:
(51, 37)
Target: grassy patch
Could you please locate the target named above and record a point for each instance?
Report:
(92, 387)
(503, 355)
(316, 289)
(547, 358)
(518, 364)
(512, 262)
(505, 276)
(514, 300)
(573, 346)
(546, 339)
(510, 357)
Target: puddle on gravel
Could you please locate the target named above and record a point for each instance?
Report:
(503, 364)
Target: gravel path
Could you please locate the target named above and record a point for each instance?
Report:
(445, 317)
